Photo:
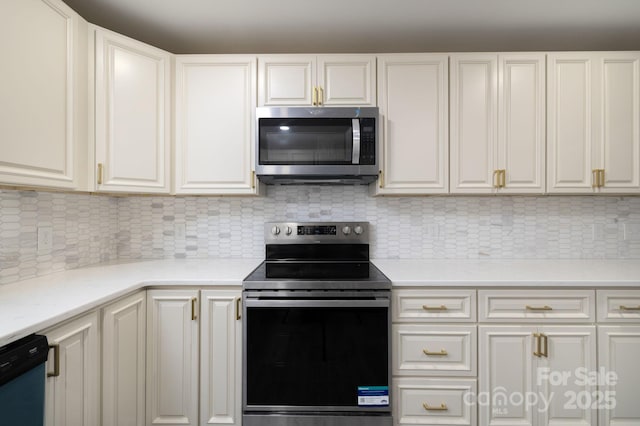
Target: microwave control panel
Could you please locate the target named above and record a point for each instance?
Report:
(367, 141)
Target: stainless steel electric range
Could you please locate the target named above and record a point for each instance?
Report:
(316, 331)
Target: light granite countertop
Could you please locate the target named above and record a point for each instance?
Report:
(33, 305)
(512, 273)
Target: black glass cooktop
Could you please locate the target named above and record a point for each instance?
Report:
(293, 275)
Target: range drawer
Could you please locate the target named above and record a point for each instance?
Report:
(432, 350)
(618, 305)
(411, 305)
(434, 402)
(536, 305)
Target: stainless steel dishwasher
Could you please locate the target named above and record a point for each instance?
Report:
(22, 381)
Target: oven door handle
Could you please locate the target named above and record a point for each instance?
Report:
(297, 303)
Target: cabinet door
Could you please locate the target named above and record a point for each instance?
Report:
(72, 392)
(172, 357)
(505, 369)
(220, 368)
(124, 325)
(286, 80)
(619, 151)
(347, 80)
(215, 109)
(618, 354)
(414, 113)
(521, 122)
(570, 125)
(43, 114)
(133, 115)
(570, 353)
(474, 109)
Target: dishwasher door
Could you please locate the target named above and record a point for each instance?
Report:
(22, 381)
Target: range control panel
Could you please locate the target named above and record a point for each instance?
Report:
(316, 232)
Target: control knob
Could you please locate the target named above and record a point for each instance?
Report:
(358, 230)
(346, 230)
(288, 231)
(275, 230)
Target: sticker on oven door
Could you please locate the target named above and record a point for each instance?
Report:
(373, 396)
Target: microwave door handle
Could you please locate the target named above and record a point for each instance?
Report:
(355, 157)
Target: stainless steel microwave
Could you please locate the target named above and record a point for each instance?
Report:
(317, 145)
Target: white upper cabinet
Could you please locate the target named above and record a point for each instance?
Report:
(43, 92)
(474, 123)
(215, 115)
(309, 80)
(414, 110)
(497, 123)
(521, 123)
(594, 122)
(132, 115)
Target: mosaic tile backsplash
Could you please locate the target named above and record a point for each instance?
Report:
(90, 229)
(83, 228)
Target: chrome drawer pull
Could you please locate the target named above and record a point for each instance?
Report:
(434, 308)
(539, 308)
(442, 407)
(442, 352)
(629, 308)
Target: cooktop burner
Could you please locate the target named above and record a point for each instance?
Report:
(317, 255)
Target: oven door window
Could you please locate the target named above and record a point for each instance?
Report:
(314, 356)
(316, 141)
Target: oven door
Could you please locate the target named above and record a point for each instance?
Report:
(316, 352)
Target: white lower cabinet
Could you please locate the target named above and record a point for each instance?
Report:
(434, 365)
(72, 386)
(172, 357)
(124, 330)
(220, 357)
(434, 401)
(193, 341)
(618, 354)
(535, 375)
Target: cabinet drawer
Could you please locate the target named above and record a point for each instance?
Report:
(536, 305)
(431, 350)
(618, 305)
(434, 402)
(434, 305)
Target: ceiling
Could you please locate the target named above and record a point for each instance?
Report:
(370, 26)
